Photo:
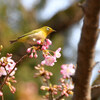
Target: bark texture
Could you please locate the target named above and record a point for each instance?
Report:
(89, 35)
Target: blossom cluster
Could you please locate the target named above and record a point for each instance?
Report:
(7, 70)
(32, 51)
(7, 65)
(8, 83)
(66, 86)
(42, 72)
(64, 89)
(50, 59)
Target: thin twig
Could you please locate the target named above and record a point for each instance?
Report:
(2, 97)
(96, 63)
(21, 58)
(95, 86)
(12, 70)
(60, 97)
(47, 82)
(50, 95)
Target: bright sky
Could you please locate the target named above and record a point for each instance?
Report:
(29, 3)
(50, 9)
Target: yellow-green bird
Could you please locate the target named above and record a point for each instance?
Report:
(31, 37)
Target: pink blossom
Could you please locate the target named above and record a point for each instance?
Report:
(11, 64)
(43, 47)
(31, 55)
(13, 72)
(35, 56)
(46, 44)
(67, 70)
(49, 60)
(45, 88)
(67, 89)
(29, 50)
(57, 53)
(65, 93)
(7, 64)
(3, 59)
(43, 62)
(1, 94)
(70, 86)
(49, 42)
(12, 89)
(39, 42)
(33, 50)
(2, 71)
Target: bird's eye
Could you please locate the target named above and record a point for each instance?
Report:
(48, 28)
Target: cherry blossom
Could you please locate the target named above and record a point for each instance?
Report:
(2, 71)
(57, 53)
(67, 70)
(49, 60)
(29, 50)
(7, 65)
(1, 94)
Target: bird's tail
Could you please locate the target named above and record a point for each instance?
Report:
(13, 41)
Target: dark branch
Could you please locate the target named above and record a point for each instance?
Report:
(95, 86)
(95, 91)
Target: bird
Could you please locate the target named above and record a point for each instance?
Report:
(32, 37)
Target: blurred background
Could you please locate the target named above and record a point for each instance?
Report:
(21, 16)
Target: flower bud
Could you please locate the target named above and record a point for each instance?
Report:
(35, 56)
(70, 92)
(48, 42)
(1, 94)
(13, 89)
(39, 42)
(31, 55)
(28, 50)
(45, 88)
(1, 47)
(43, 47)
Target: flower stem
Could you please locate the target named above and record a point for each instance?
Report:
(50, 95)
(60, 97)
(2, 97)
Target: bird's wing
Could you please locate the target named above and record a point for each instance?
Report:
(29, 33)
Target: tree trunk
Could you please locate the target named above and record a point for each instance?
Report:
(82, 90)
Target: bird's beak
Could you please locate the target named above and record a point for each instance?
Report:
(54, 31)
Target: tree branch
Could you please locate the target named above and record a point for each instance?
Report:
(95, 91)
(85, 60)
(95, 86)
